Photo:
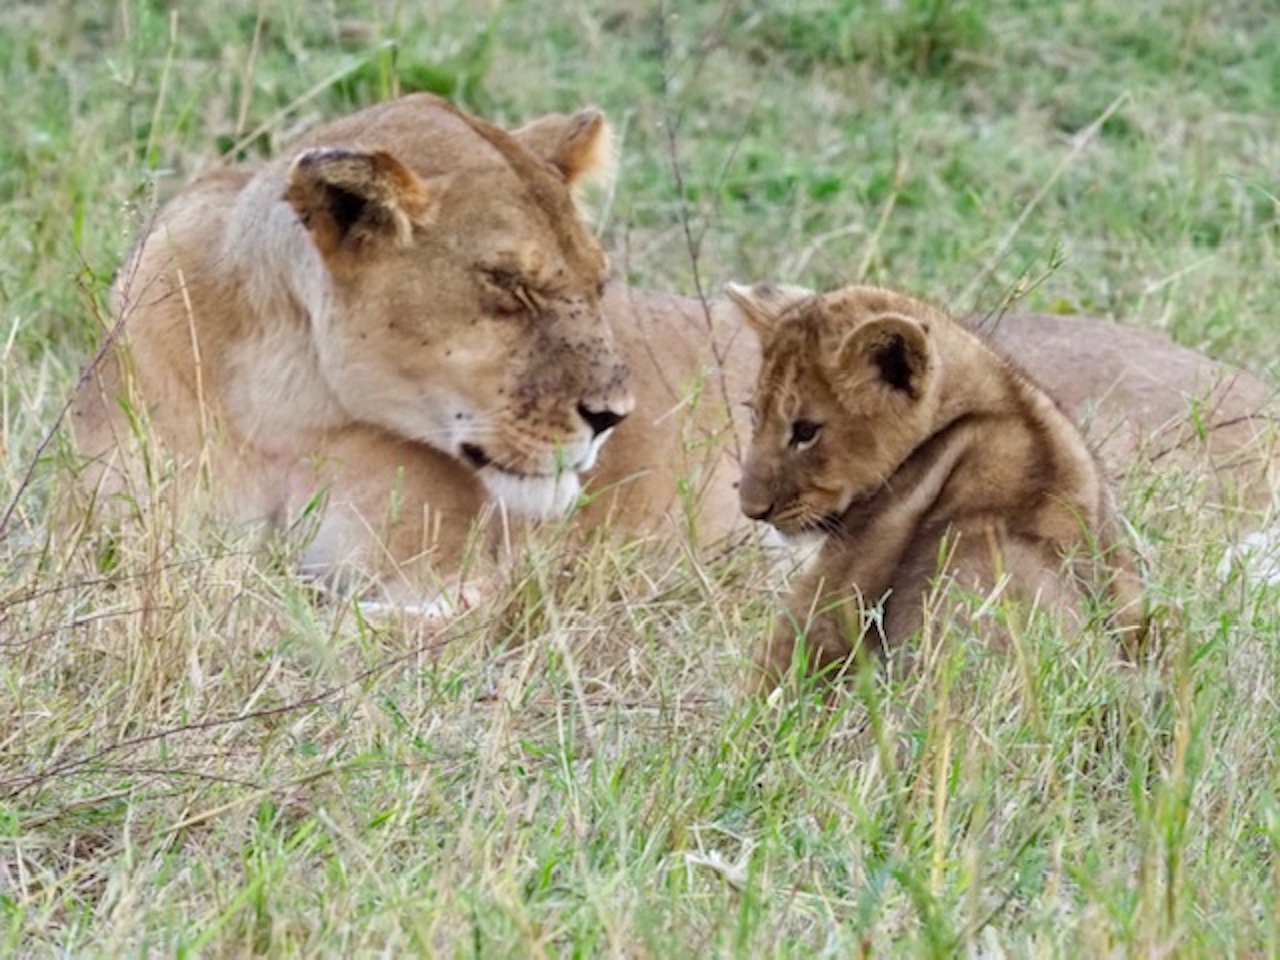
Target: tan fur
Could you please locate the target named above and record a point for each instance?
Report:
(1143, 400)
(899, 436)
(404, 316)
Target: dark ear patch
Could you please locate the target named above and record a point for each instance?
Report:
(894, 359)
(892, 348)
(348, 197)
(346, 208)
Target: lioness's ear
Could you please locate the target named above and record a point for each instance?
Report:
(348, 197)
(579, 145)
(763, 303)
(895, 347)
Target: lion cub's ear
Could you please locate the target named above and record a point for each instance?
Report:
(347, 198)
(579, 145)
(895, 347)
(763, 303)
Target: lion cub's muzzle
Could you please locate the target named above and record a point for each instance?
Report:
(784, 510)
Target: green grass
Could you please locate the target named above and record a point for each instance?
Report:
(198, 758)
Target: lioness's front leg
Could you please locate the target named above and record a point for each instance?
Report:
(396, 522)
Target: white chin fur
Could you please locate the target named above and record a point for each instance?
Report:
(593, 451)
(807, 540)
(796, 551)
(538, 497)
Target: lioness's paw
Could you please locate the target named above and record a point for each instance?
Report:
(438, 610)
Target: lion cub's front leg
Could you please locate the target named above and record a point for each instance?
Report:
(826, 635)
(872, 595)
(836, 612)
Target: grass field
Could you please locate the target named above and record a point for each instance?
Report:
(197, 757)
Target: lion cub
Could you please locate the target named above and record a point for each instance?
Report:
(915, 451)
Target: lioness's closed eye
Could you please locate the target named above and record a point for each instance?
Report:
(897, 434)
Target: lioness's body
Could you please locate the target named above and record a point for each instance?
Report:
(404, 317)
(1144, 400)
(914, 450)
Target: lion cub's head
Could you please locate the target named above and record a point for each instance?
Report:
(458, 302)
(846, 391)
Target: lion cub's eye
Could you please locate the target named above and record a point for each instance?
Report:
(804, 433)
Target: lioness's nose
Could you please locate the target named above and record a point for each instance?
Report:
(756, 511)
(600, 420)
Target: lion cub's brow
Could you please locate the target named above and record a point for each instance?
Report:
(783, 382)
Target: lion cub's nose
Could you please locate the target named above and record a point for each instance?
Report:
(754, 496)
(600, 420)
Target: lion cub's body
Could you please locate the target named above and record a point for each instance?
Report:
(396, 325)
(915, 450)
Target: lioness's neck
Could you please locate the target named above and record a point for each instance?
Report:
(279, 398)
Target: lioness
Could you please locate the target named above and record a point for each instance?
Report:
(402, 317)
(914, 450)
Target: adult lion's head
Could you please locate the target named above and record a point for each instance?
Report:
(459, 300)
(845, 393)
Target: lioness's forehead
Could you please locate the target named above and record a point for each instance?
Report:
(503, 218)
